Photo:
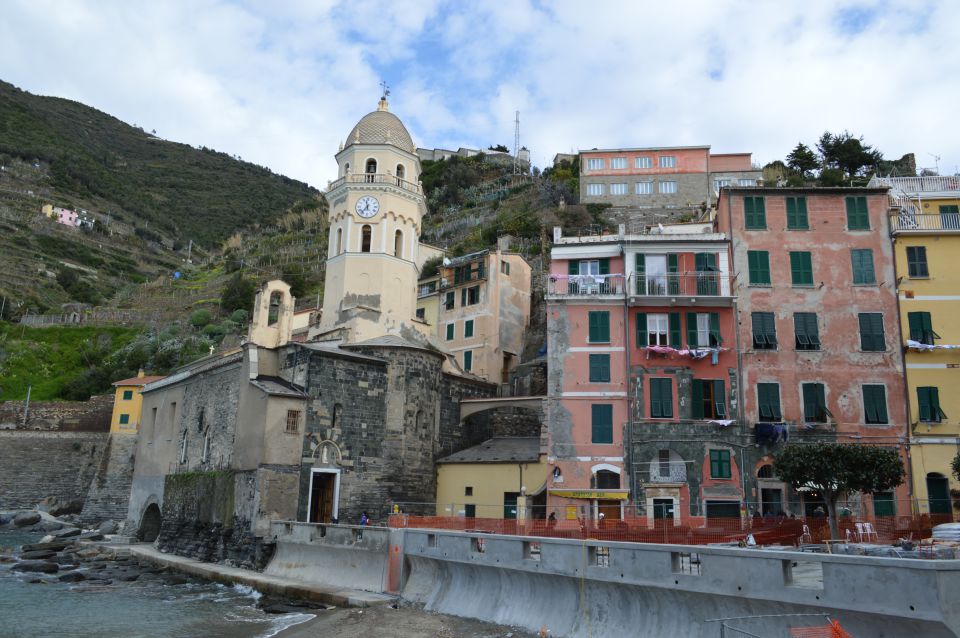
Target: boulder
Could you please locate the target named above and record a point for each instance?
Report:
(26, 518)
(108, 527)
(66, 532)
(58, 506)
(5, 519)
(38, 554)
(90, 536)
(72, 577)
(54, 546)
(40, 566)
(47, 526)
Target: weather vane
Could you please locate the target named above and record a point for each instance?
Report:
(386, 88)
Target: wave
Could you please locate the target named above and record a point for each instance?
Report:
(285, 621)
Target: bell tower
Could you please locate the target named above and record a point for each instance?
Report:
(376, 207)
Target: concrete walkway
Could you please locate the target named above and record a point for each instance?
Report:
(267, 584)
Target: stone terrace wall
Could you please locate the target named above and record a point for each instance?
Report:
(75, 416)
(34, 465)
(109, 494)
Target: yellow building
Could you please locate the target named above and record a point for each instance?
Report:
(428, 302)
(128, 404)
(486, 480)
(925, 224)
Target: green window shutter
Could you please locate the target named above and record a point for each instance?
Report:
(791, 212)
(720, 464)
(925, 403)
(700, 262)
(600, 368)
(764, 330)
(673, 263)
(127, 395)
(468, 328)
(875, 404)
(450, 328)
(605, 266)
(921, 327)
(715, 338)
(661, 398)
(673, 279)
(917, 261)
(698, 398)
(463, 297)
(640, 270)
(692, 330)
(754, 212)
(674, 320)
(768, 399)
(801, 269)
(797, 213)
(640, 263)
(601, 423)
(883, 504)
(857, 216)
(467, 360)
(758, 262)
(599, 326)
(573, 267)
(642, 330)
(719, 399)
(814, 403)
(124, 419)
(748, 212)
(863, 272)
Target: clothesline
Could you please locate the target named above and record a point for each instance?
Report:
(695, 353)
(916, 345)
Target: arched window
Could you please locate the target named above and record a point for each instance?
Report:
(371, 169)
(401, 174)
(337, 416)
(273, 312)
(398, 244)
(606, 480)
(365, 235)
(765, 471)
(339, 241)
(346, 168)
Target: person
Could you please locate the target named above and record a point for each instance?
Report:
(819, 511)
(552, 520)
(364, 520)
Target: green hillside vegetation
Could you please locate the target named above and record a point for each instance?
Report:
(174, 189)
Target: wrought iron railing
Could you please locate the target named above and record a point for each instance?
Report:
(697, 284)
(585, 285)
(377, 178)
(903, 221)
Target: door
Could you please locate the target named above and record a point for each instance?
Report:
(322, 488)
(771, 502)
(510, 504)
(663, 509)
(609, 509)
(950, 217)
(706, 265)
(938, 493)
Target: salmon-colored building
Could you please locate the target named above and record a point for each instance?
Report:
(819, 326)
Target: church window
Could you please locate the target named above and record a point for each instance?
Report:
(273, 312)
(398, 244)
(371, 169)
(293, 420)
(346, 168)
(339, 241)
(401, 172)
(365, 233)
(337, 416)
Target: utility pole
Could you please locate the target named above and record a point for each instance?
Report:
(189, 250)
(26, 408)
(516, 145)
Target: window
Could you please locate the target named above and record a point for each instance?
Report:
(400, 172)
(601, 424)
(205, 454)
(874, 404)
(398, 244)
(764, 331)
(703, 330)
(371, 166)
(124, 419)
(801, 269)
(768, 402)
(883, 504)
(921, 327)
(721, 182)
(950, 217)
(746, 182)
(661, 398)
(872, 338)
(862, 260)
(720, 464)
(758, 263)
(806, 330)
(659, 329)
(663, 459)
(469, 510)
(599, 368)
(365, 236)
(505, 267)
(468, 328)
(668, 161)
(339, 241)
(473, 295)
(815, 403)
(668, 188)
(797, 213)
(449, 301)
(421, 313)
(754, 213)
(644, 188)
(468, 490)
(857, 217)
(595, 164)
(599, 326)
(467, 360)
(928, 399)
(606, 480)
(450, 329)
(642, 162)
(293, 420)
(127, 395)
(917, 261)
(595, 190)
(618, 162)
(618, 189)
(709, 399)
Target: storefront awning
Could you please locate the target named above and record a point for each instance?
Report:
(620, 495)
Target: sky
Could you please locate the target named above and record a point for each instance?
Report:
(282, 83)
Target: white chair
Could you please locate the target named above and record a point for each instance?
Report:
(868, 531)
(859, 527)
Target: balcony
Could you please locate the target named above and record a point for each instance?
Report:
(580, 286)
(921, 185)
(672, 472)
(683, 288)
(376, 178)
(906, 222)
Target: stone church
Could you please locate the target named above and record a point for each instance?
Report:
(349, 420)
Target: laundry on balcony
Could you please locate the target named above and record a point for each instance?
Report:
(916, 345)
(695, 353)
(722, 422)
(771, 433)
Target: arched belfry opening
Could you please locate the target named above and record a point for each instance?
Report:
(398, 244)
(366, 236)
(371, 169)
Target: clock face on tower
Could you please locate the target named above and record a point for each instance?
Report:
(367, 206)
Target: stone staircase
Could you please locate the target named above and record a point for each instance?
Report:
(109, 493)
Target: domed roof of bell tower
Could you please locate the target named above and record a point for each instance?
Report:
(381, 127)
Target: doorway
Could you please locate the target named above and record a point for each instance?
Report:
(938, 493)
(662, 509)
(510, 505)
(324, 496)
(771, 502)
(150, 524)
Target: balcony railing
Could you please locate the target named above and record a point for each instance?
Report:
(904, 221)
(930, 184)
(585, 285)
(697, 284)
(672, 472)
(376, 178)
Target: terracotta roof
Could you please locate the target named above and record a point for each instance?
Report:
(139, 381)
(503, 449)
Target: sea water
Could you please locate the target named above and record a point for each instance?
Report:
(145, 608)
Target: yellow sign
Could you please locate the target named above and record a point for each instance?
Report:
(613, 496)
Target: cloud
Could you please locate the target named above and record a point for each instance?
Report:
(282, 85)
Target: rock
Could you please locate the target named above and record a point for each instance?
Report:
(49, 538)
(47, 526)
(90, 536)
(38, 554)
(128, 577)
(26, 518)
(67, 532)
(5, 519)
(44, 567)
(54, 546)
(72, 577)
(57, 506)
(108, 527)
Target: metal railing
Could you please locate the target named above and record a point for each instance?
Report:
(670, 472)
(377, 178)
(904, 221)
(585, 285)
(696, 284)
(928, 184)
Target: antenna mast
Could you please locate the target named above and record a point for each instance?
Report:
(516, 145)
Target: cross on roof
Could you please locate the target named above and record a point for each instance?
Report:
(386, 88)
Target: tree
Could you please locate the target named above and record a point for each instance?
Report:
(238, 294)
(848, 153)
(955, 466)
(802, 159)
(837, 469)
(200, 318)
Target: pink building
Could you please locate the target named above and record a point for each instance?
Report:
(66, 216)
